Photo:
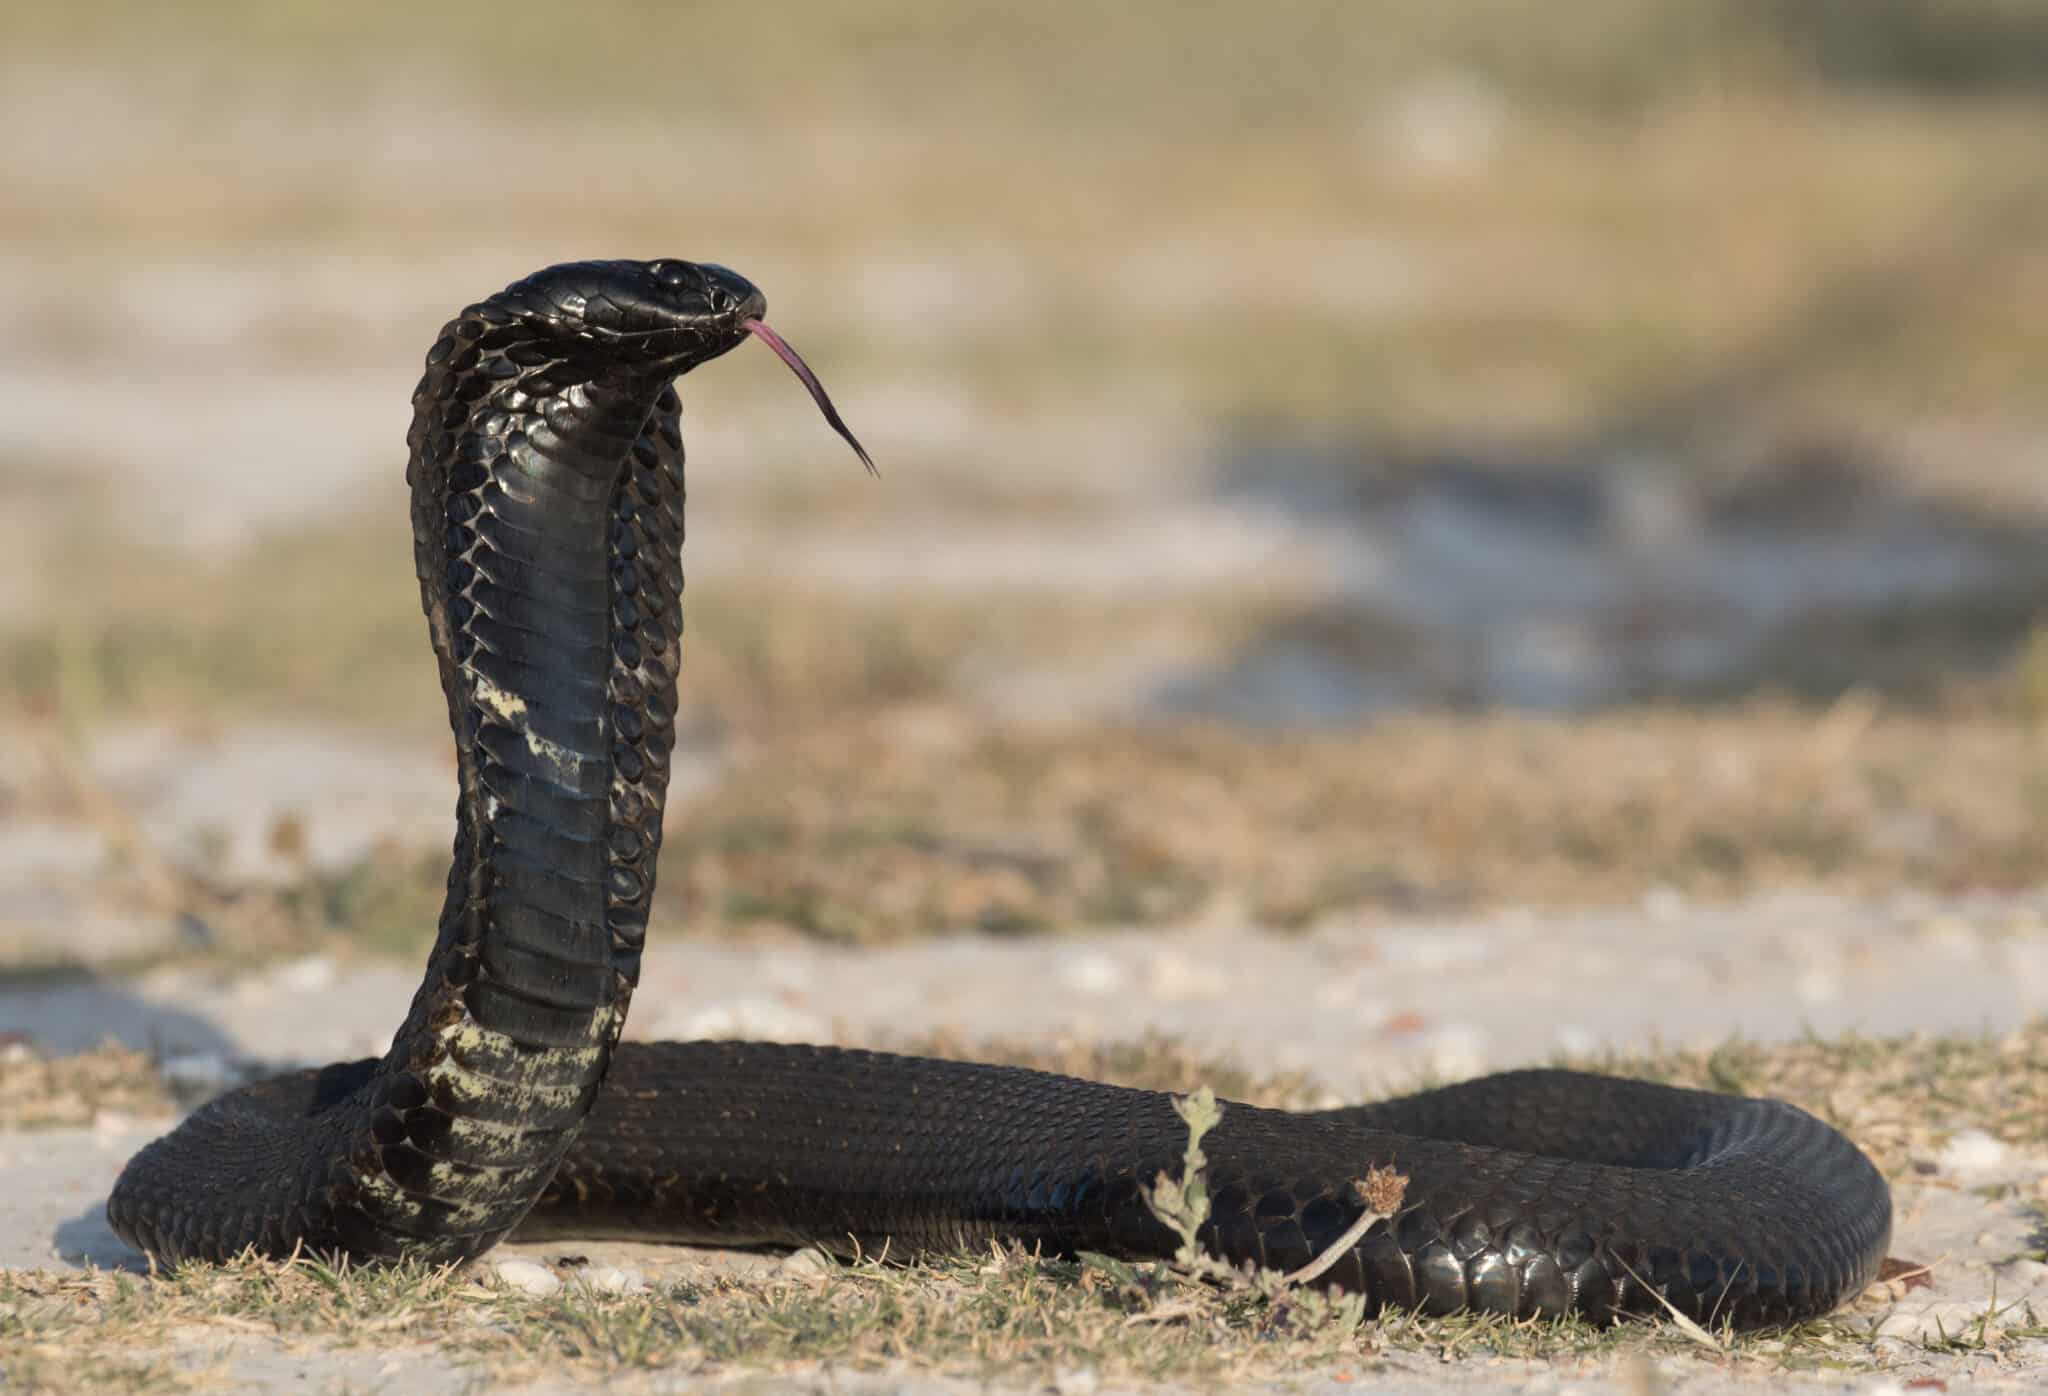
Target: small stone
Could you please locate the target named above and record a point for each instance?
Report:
(1074, 1381)
(528, 1278)
(2021, 1277)
(803, 1264)
(612, 1279)
(1971, 1151)
(1935, 1322)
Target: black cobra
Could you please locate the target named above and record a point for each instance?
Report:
(547, 506)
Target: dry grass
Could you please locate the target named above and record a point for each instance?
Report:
(38, 1091)
(1236, 221)
(886, 828)
(1008, 1316)
(921, 819)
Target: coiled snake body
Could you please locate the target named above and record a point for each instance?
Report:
(547, 491)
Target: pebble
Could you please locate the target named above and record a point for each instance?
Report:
(1935, 1322)
(802, 1264)
(528, 1278)
(2022, 1276)
(1971, 1151)
(611, 1279)
(1074, 1381)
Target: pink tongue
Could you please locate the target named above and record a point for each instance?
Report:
(802, 370)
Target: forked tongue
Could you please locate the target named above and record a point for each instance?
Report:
(759, 328)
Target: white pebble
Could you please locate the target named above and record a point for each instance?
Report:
(1971, 1151)
(610, 1279)
(1074, 1381)
(799, 1264)
(2020, 1277)
(528, 1278)
(1932, 1322)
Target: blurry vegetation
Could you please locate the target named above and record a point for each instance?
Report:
(861, 799)
(1488, 220)
(1929, 45)
(1093, 62)
(921, 820)
(882, 829)
(1706, 229)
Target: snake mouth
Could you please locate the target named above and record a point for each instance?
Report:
(785, 351)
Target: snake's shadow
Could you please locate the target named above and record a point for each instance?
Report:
(87, 1239)
(69, 1016)
(76, 1015)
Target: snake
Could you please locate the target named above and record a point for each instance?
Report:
(546, 477)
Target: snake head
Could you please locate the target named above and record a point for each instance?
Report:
(665, 316)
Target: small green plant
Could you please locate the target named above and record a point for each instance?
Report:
(1289, 1296)
(1183, 1204)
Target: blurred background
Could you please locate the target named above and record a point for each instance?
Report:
(1339, 462)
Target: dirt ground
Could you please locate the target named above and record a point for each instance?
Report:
(1390, 1004)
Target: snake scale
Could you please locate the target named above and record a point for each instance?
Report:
(547, 508)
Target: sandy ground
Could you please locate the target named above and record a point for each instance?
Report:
(1382, 1008)
(1364, 1007)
